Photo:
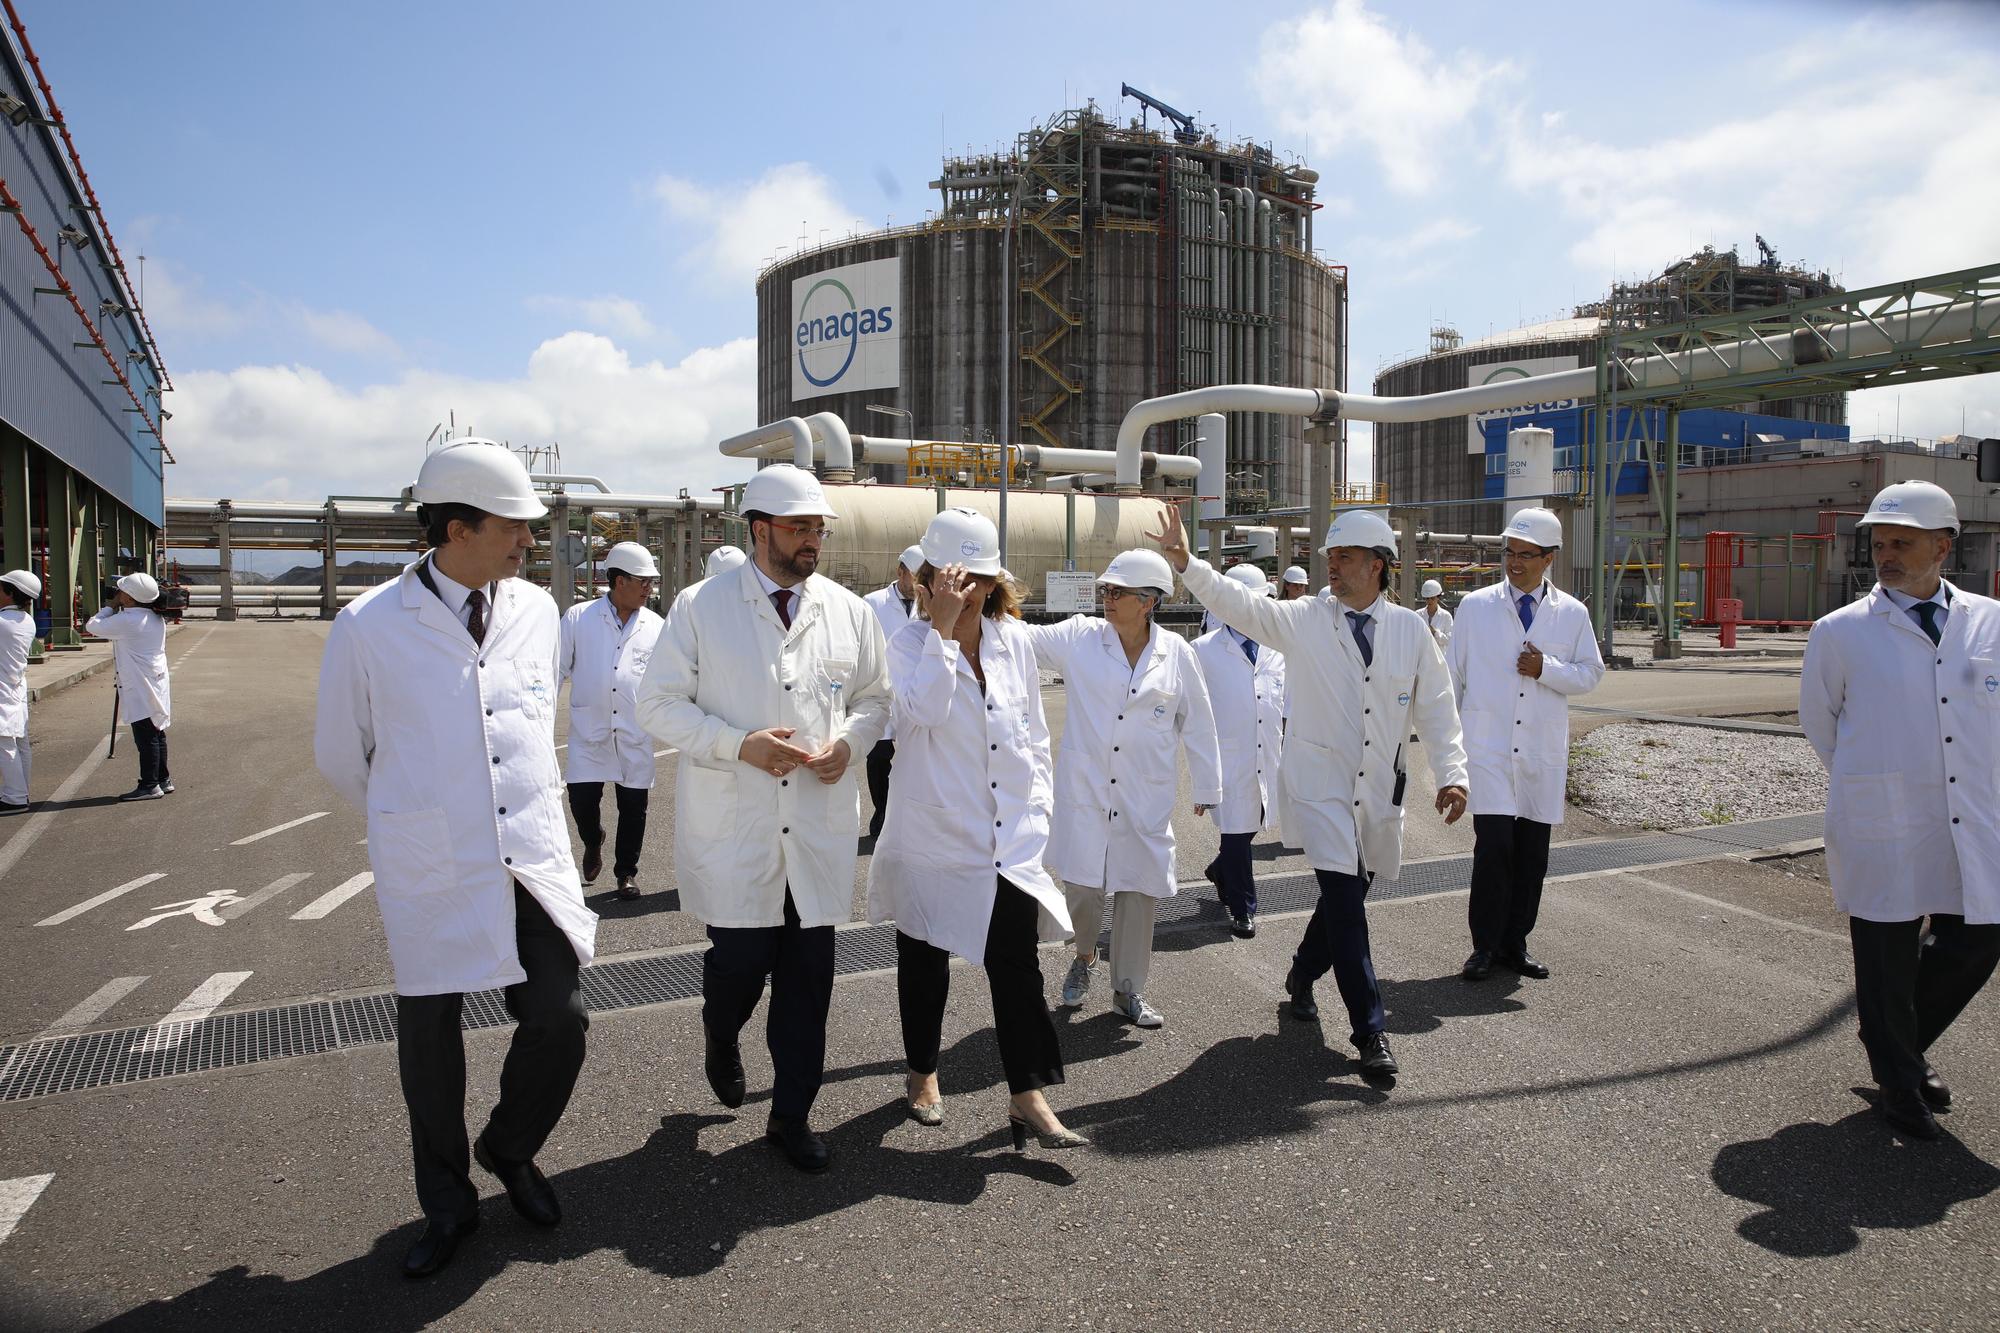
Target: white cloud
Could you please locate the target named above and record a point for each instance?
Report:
(345, 332)
(1346, 79)
(617, 316)
(291, 432)
(739, 227)
(181, 310)
(179, 307)
(1360, 451)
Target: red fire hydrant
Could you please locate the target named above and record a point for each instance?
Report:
(1728, 614)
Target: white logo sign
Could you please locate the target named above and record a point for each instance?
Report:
(1475, 425)
(847, 329)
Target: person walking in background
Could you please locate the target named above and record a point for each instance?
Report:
(721, 560)
(895, 607)
(1519, 650)
(139, 657)
(19, 591)
(959, 868)
(1434, 613)
(1246, 690)
(1137, 701)
(606, 644)
(1900, 695)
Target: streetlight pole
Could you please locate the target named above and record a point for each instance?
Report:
(909, 423)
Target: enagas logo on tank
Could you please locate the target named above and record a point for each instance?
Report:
(845, 329)
(831, 326)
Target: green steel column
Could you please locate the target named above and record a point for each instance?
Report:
(60, 488)
(89, 567)
(15, 509)
(1670, 522)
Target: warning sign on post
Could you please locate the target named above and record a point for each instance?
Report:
(1070, 591)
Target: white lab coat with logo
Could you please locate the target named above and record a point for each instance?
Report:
(1343, 770)
(726, 666)
(1248, 702)
(971, 791)
(1516, 726)
(1439, 624)
(17, 636)
(450, 747)
(139, 659)
(1910, 735)
(1122, 736)
(604, 660)
(887, 604)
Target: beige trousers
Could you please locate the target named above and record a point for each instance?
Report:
(1131, 931)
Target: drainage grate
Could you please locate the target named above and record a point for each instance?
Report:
(103, 1059)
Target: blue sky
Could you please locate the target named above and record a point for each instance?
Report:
(548, 219)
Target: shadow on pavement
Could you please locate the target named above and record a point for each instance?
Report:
(1821, 1185)
(1423, 1005)
(613, 908)
(670, 1207)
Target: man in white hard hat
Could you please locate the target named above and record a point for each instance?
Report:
(1246, 691)
(138, 635)
(19, 591)
(437, 714)
(1434, 613)
(606, 644)
(1900, 695)
(1293, 583)
(895, 606)
(1361, 670)
(721, 560)
(768, 679)
(1519, 649)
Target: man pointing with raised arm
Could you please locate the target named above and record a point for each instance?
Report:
(1361, 671)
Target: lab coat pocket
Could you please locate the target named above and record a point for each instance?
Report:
(1309, 771)
(707, 796)
(414, 877)
(1871, 806)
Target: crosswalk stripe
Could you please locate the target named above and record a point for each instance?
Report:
(17, 1197)
(26, 837)
(324, 904)
(202, 1001)
(280, 828)
(71, 913)
(263, 895)
(93, 1008)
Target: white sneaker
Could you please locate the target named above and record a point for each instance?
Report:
(1077, 984)
(1134, 1007)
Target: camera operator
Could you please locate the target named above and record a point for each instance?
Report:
(131, 621)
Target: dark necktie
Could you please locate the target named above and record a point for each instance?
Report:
(906, 606)
(1250, 650)
(1527, 610)
(475, 619)
(1927, 613)
(782, 599)
(1358, 621)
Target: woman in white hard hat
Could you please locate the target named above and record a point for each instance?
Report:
(19, 591)
(895, 606)
(139, 657)
(1246, 688)
(606, 644)
(1434, 613)
(1293, 583)
(959, 868)
(1137, 701)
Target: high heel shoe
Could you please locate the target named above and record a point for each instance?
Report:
(930, 1114)
(1062, 1138)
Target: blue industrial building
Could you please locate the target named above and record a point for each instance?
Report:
(1708, 436)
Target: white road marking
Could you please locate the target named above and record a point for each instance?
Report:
(16, 1198)
(196, 644)
(70, 913)
(658, 754)
(93, 1008)
(202, 909)
(38, 823)
(264, 895)
(280, 828)
(324, 904)
(1736, 908)
(202, 1001)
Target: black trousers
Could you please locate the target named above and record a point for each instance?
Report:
(1234, 878)
(879, 761)
(1510, 858)
(1030, 1053)
(535, 1082)
(151, 743)
(586, 800)
(1909, 989)
(799, 962)
(1336, 940)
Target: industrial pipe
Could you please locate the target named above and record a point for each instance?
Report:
(753, 443)
(829, 430)
(567, 479)
(805, 439)
(1143, 416)
(1212, 450)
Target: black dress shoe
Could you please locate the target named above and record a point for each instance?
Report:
(1243, 927)
(723, 1063)
(1906, 1111)
(806, 1150)
(593, 861)
(1478, 967)
(527, 1188)
(435, 1247)
(1304, 1007)
(1936, 1095)
(1376, 1057)
(1523, 962)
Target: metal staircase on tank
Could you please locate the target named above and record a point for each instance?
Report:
(1051, 278)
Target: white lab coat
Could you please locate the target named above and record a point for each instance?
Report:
(1248, 703)
(1910, 736)
(604, 660)
(1343, 771)
(139, 659)
(726, 666)
(17, 636)
(450, 747)
(1439, 624)
(971, 791)
(887, 604)
(1516, 726)
(1120, 772)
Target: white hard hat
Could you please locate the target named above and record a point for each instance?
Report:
(912, 558)
(721, 560)
(961, 536)
(1361, 527)
(26, 582)
(1293, 574)
(1249, 575)
(785, 491)
(482, 474)
(1539, 526)
(632, 558)
(1912, 504)
(1147, 570)
(1432, 588)
(140, 587)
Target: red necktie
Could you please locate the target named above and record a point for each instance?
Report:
(475, 622)
(782, 599)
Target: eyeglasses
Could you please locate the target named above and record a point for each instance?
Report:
(1111, 592)
(820, 531)
(1540, 553)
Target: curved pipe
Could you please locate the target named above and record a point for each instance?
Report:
(827, 433)
(828, 429)
(1197, 402)
(754, 443)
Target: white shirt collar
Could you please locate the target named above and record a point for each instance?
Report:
(798, 590)
(453, 593)
(1906, 602)
(1514, 594)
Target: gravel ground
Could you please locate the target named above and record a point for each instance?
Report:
(1655, 775)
